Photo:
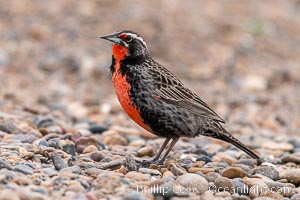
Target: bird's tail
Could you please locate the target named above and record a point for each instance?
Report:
(227, 137)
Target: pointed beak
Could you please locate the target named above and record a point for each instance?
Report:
(112, 38)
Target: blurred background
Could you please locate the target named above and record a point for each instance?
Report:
(241, 57)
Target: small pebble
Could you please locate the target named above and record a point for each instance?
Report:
(86, 141)
(248, 162)
(146, 151)
(53, 143)
(240, 187)
(278, 146)
(115, 140)
(200, 169)
(137, 143)
(217, 165)
(90, 149)
(4, 164)
(255, 182)
(69, 148)
(58, 161)
(165, 191)
(134, 195)
(7, 194)
(97, 128)
(176, 170)
(106, 159)
(137, 176)
(224, 184)
(49, 171)
(74, 169)
(267, 171)
(44, 142)
(295, 197)
(208, 195)
(25, 169)
(291, 158)
(204, 158)
(211, 176)
(293, 176)
(122, 170)
(225, 157)
(97, 156)
(193, 180)
(168, 174)
(150, 171)
(233, 172)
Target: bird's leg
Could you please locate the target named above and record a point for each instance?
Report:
(156, 157)
(146, 163)
(168, 151)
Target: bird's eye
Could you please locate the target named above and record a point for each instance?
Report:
(128, 39)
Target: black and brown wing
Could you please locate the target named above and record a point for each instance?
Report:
(171, 90)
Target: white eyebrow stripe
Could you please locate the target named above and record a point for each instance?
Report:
(137, 37)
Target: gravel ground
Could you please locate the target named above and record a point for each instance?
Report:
(64, 135)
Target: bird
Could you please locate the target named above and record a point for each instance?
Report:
(157, 100)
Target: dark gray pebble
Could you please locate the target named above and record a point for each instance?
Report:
(4, 164)
(44, 142)
(74, 169)
(204, 158)
(186, 163)
(267, 171)
(97, 128)
(166, 191)
(97, 156)
(211, 176)
(54, 143)
(69, 148)
(12, 186)
(201, 152)
(101, 146)
(7, 174)
(25, 169)
(58, 161)
(243, 161)
(79, 148)
(44, 121)
(9, 126)
(240, 187)
(84, 183)
(25, 138)
(50, 171)
(59, 181)
(106, 159)
(40, 190)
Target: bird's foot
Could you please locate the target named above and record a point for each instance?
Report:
(158, 162)
(147, 163)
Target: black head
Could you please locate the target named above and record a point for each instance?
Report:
(133, 42)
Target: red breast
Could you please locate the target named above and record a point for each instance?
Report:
(122, 87)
